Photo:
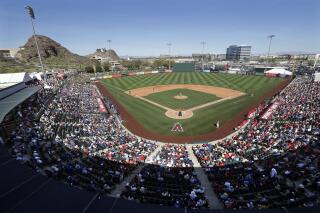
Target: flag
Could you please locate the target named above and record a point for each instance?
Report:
(30, 11)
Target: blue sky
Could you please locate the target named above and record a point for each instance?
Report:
(143, 27)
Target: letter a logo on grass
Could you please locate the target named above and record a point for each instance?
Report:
(177, 127)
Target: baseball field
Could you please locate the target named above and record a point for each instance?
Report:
(196, 101)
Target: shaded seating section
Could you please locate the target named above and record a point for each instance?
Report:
(171, 181)
(71, 166)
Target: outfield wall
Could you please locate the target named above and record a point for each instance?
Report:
(184, 67)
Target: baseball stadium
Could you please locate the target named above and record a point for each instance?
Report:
(192, 140)
(226, 130)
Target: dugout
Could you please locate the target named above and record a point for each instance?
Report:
(184, 67)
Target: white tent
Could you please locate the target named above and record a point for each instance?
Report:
(317, 77)
(19, 77)
(278, 71)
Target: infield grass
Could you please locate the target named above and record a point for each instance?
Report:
(194, 98)
(153, 118)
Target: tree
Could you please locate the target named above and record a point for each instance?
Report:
(246, 59)
(97, 67)
(132, 65)
(89, 69)
(106, 66)
(98, 50)
(162, 63)
(311, 62)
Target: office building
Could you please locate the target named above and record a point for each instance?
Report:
(235, 52)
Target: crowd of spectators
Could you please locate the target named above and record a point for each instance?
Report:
(238, 166)
(74, 142)
(272, 161)
(169, 179)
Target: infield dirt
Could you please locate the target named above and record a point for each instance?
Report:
(218, 91)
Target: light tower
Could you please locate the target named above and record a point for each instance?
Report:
(109, 47)
(32, 17)
(109, 54)
(270, 37)
(169, 48)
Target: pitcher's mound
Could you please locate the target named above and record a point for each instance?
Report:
(180, 97)
(179, 114)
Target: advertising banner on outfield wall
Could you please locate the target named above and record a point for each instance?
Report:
(116, 75)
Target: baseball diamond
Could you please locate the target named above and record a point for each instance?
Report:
(165, 106)
(149, 101)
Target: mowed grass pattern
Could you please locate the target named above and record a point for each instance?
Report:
(153, 118)
(194, 98)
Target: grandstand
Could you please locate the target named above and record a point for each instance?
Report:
(68, 145)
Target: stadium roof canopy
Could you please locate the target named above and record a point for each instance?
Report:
(14, 77)
(10, 102)
(279, 71)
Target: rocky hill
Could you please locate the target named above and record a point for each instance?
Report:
(52, 53)
(103, 53)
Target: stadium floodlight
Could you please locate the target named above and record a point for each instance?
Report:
(30, 11)
(270, 37)
(109, 47)
(109, 54)
(202, 54)
(169, 47)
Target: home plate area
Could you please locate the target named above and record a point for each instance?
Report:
(177, 127)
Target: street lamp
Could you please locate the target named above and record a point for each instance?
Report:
(202, 53)
(169, 47)
(270, 37)
(32, 17)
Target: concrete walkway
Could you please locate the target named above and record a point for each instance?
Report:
(154, 153)
(214, 202)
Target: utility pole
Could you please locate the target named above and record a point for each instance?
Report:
(32, 17)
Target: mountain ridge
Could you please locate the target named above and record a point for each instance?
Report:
(52, 53)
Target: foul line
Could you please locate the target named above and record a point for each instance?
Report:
(151, 102)
(190, 109)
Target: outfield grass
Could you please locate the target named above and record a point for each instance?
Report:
(153, 118)
(194, 98)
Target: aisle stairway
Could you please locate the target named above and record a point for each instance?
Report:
(120, 187)
(214, 202)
